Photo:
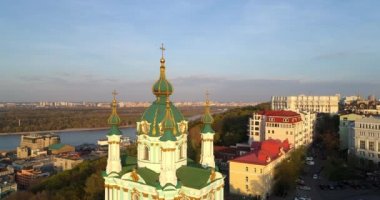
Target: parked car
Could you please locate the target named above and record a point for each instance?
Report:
(300, 181)
(304, 187)
(315, 176)
(310, 162)
(302, 198)
(309, 158)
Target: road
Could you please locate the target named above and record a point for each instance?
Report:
(338, 194)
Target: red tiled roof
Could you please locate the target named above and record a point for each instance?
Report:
(269, 149)
(279, 113)
(281, 116)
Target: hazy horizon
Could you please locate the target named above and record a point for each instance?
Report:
(242, 51)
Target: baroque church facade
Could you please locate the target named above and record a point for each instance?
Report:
(161, 170)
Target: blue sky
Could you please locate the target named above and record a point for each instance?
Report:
(239, 50)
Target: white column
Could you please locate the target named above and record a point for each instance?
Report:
(110, 192)
(106, 192)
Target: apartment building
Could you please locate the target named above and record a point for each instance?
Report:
(367, 138)
(295, 127)
(319, 104)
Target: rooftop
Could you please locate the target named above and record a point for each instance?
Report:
(279, 113)
(268, 151)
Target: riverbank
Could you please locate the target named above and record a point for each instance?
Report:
(63, 131)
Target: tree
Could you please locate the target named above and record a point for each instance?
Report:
(94, 187)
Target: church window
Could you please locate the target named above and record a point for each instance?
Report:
(146, 153)
(180, 151)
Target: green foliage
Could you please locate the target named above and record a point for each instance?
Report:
(288, 171)
(82, 182)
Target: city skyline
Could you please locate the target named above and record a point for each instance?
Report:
(240, 51)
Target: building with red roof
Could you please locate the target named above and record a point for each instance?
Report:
(252, 173)
(295, 127)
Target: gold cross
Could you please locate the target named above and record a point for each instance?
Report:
(162, 49)
(114, 93)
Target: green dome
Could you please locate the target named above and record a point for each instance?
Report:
(207, 119)
(162, 86)
(114, 120)
(155, 114)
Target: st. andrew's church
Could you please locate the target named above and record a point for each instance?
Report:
(162, 170)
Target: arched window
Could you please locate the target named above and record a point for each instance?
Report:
(146, 153)
(180, 150)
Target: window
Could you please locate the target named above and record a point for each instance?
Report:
(256, 128)
(256, 123)
(378, 147)
(273, 131)
(180, 152)
(246, 168)
(371, 146)
(268, 131)
(362, 144)
(246, 187)
(146, 153)
(257, 133)
(261, 171)
(246, 179)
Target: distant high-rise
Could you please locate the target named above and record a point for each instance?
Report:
(320, 104)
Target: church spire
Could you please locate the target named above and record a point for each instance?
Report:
(162, 87)
(162, 61)
(207, 118)
(113, 137)
(114, 119)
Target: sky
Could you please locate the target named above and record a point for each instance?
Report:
(241, 50)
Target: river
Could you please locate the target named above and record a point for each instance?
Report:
(10, 142)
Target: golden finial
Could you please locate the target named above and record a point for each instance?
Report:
(162, 56)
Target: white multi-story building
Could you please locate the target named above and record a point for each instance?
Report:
(320, 104)
(297, 128)
(367, 138)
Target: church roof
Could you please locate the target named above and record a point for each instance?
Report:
(193, 177)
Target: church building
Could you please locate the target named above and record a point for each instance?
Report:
(161, 170)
